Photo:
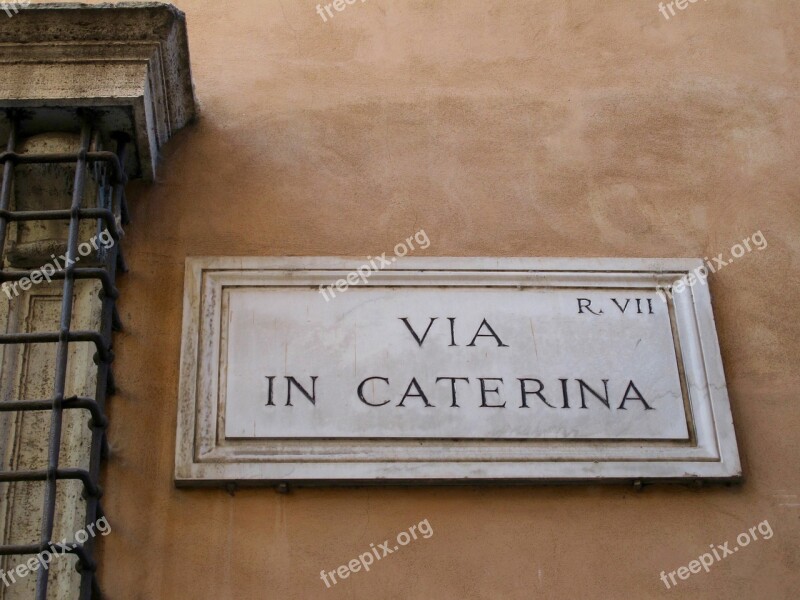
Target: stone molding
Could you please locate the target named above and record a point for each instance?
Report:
(129, 59)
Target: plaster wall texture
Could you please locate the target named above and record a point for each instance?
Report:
(501, 128)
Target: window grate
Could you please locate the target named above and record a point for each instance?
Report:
(108, 171)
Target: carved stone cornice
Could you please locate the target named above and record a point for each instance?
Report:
(128, 61)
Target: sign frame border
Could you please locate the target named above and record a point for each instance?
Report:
(200, 458)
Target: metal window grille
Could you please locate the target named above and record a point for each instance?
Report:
(108, 171)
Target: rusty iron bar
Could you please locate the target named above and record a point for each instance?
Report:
(79, 273)
(64, 336)
(109, 321)
(71, 473)
(98, 418)
(110, 158)
(106, 215)
(102, 339)
(62, 355)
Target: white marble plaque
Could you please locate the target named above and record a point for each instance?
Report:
(442, 369)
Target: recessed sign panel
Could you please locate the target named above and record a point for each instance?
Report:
(446, 369)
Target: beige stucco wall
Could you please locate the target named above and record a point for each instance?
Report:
(503, 128)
